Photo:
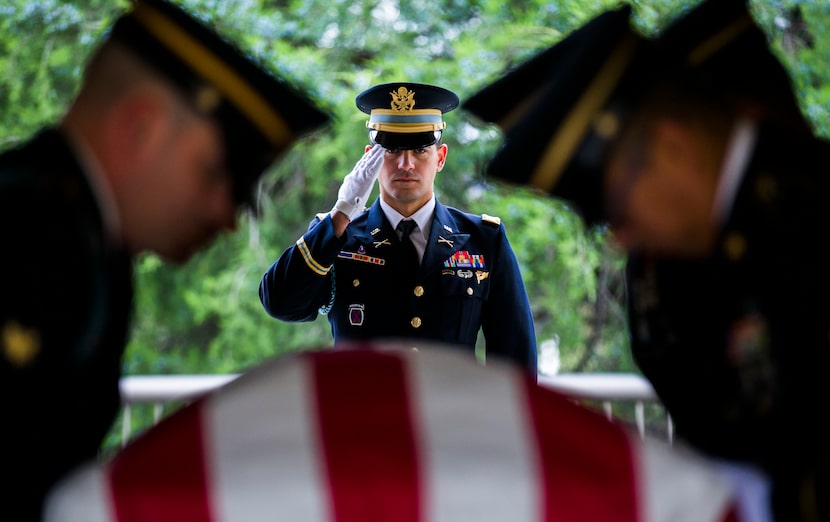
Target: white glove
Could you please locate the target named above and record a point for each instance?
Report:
(357, 185)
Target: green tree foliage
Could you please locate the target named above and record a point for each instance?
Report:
(205, 317)
(41, 53)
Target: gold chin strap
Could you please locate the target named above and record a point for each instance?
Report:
(406, 128)
(565, 142)
(406, 121)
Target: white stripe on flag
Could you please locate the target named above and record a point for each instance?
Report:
(81, 495)
(264, 464)
(473, 439)
(676, 486)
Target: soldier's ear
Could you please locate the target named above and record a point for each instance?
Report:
(143, 124)
(442, 156)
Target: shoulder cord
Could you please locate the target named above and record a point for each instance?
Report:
(325, 309)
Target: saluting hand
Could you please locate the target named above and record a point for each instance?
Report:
(357, 185)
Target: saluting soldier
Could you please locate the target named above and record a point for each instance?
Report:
(453, 276)
(166, 139)
(692, 148)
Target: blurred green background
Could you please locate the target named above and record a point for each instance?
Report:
(205, 317)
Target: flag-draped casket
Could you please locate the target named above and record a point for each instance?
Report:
(381, 432)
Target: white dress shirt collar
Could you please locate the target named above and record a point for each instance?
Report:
(423, 217)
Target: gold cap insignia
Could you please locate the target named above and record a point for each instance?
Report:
(402, 100)
(206, 99)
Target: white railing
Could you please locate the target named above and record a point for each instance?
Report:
(610, 390)
(159, 390)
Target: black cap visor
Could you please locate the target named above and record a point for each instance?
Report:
(404, 141)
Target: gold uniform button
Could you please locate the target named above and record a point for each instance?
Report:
(419, 291)
(356, 283)
(20, 345)
(469, 290)
(415, 322)
(734, 246)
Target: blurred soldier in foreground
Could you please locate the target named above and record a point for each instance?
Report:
(692, 148)
(449, 277)
(380, 432)
(167, 137)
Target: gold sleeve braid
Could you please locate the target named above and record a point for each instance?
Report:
(315, 267)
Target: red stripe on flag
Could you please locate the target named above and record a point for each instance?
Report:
(161, 476)
(731, 513)
(585, 461)
(366, 434)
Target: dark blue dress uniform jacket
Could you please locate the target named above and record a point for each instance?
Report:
(64, 312)
(469, 280)
(737, 346)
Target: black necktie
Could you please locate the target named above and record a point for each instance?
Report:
(409, 254)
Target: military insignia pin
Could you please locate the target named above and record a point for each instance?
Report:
(402, 100)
